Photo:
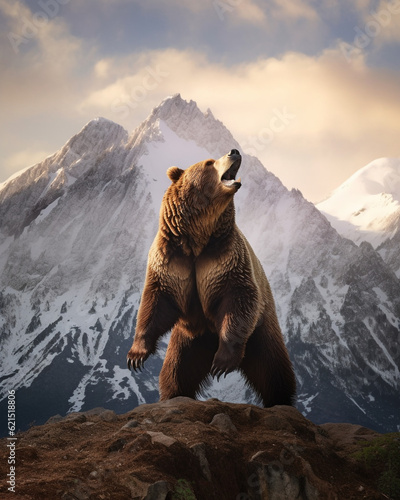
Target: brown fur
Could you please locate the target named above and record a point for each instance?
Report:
(204, 281)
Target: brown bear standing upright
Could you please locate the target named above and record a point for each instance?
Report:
(204, 281)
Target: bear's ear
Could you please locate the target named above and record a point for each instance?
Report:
(174, 173)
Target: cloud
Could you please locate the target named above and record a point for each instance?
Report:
(312, 120)
(42, 30)
(383, 24)
(294, 9)
(247, 11)
(41, 63)
(41, 58)
(243, 10)
(379, 23)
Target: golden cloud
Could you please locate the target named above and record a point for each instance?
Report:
(311, 120)
(303, 116)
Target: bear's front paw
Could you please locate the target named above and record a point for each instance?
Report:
(226, 360)
(136, 358)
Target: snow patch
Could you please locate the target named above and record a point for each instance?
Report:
(305, 400)
(170, 151)
(358, 406)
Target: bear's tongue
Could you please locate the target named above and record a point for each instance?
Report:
(228, 176)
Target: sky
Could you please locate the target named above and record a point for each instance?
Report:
(312, 88)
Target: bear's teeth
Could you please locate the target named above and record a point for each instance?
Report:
(231, 182)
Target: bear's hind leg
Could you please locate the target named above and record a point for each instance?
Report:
(268, 369)
(187, 363)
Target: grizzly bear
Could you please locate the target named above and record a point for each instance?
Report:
(205, 283)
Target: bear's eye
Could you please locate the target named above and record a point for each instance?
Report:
(209, 163)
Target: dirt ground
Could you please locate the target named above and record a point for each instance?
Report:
(186, 449)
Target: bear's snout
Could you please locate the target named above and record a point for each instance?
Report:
(228, 167)
(233, 152)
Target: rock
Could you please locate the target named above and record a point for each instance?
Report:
(77, 491)
(117, 445)
(75, 417)
(140, 443)
(199, 450)
(223, 423)
(158, 491)
(162, 405)
(276, 484)
(95, 412)
(249, 413)
(147, 421)
(54, 419)
(170, 416)
(137, 487)
(108, 416)
(275, 423)
(159, 437)
(347, 437)
(88, 423)
(131, 424)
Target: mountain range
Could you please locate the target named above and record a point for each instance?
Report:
(75, 230)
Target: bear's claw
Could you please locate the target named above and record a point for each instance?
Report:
(135, 365)
(218, 372)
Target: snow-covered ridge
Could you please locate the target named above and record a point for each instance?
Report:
(367, 206)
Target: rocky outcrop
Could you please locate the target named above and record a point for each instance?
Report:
(186, 449)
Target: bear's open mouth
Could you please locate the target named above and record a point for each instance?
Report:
(229, 177)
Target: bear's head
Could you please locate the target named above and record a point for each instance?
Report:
(200, 198)
(209, 181)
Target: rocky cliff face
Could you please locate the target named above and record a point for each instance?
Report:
(183, 449)
(74, 235)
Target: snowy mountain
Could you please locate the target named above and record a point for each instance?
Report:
(75, 230)
(367, 206)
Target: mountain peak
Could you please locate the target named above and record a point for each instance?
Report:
(100, 132)
(174, 100)
(191, 124)
(174, 107)
(379, 176)
(367, 205)
(102, 122)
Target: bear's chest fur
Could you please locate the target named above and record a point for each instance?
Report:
(198, 285)
(188, 282)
